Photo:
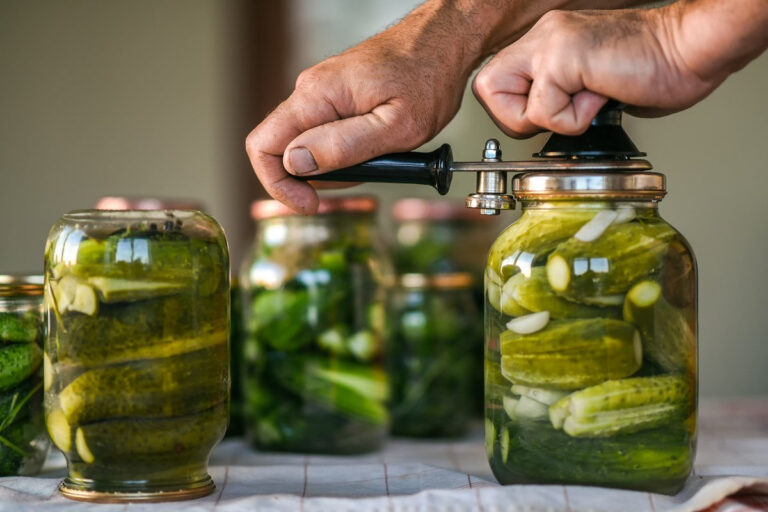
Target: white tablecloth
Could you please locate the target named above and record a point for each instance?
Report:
(731, 474)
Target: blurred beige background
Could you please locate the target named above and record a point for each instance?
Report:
(154, 97)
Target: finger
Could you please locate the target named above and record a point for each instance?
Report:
(266, 143)
(553, 107)
(502, 88)
(347, 142)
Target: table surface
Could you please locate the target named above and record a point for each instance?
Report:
(441, 475)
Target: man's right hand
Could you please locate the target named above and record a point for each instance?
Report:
(391, 93)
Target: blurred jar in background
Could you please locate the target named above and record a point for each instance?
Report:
(313, 312)
(434, 237)
(22, 429)
(444, 236)
(431, 352)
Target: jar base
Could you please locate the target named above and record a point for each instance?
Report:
(80, 492)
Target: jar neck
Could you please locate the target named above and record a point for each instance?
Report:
(316, 228)
(648, 206)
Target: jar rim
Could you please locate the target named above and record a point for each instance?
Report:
(128, 215)
(447, 281)
(21, 284)
(269, 208)
(146, 203)
(605, 185)
(415, 208)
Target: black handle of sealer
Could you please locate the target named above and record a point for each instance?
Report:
(433, 169)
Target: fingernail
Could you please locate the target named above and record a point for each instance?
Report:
(302, 161)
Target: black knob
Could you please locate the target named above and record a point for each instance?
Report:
(604, 139)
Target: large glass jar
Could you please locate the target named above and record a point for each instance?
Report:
(591, 318)
(431, 354)
(314, 319)
(22, 430)
(137, 306)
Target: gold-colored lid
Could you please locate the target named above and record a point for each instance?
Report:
(21, 284)
(269, 208)
(452, 281)
(568, 185)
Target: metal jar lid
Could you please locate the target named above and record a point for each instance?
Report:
(269, 208)
(14, 285)
(576, 185)
(447, 281)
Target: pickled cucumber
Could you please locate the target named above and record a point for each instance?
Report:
(507, 301)
(609, 266)
(656, 460)
(534, 294)
(147, 436)
(166, 326)
(535, 234)
(17, 362)
(623, 406)
(668, 338)
(161, 387)
(571, 354)
(14, 327)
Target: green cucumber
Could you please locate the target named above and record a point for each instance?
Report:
(126, 438)
(20, 328)
(490, 437)
(17, 362)
(111, 289)
(132, 330)
(668, 338)
(508, 303)
(623, 406)
(610, 265)
(161, 387)
(504, 445)
(535, 294)
(535, 234)
(571, 354)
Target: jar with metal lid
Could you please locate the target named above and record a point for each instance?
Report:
(431, 354)
(22, 429)
(313, 307)
(137, 351)
(591, 318)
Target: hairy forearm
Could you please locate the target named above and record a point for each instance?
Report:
(715, 38)
(465, 32)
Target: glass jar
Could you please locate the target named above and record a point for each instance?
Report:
(432, 236)
(236, 400)
(431, 354)
(313, 307)
(137, 306)
(591, 319)
(22, 430)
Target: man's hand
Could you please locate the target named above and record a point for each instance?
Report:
(391, 93)
(660, 61)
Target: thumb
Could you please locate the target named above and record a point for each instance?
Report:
(352, 140)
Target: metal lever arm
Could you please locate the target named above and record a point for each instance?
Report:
(432, 169)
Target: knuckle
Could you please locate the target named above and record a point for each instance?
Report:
(482, 85)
